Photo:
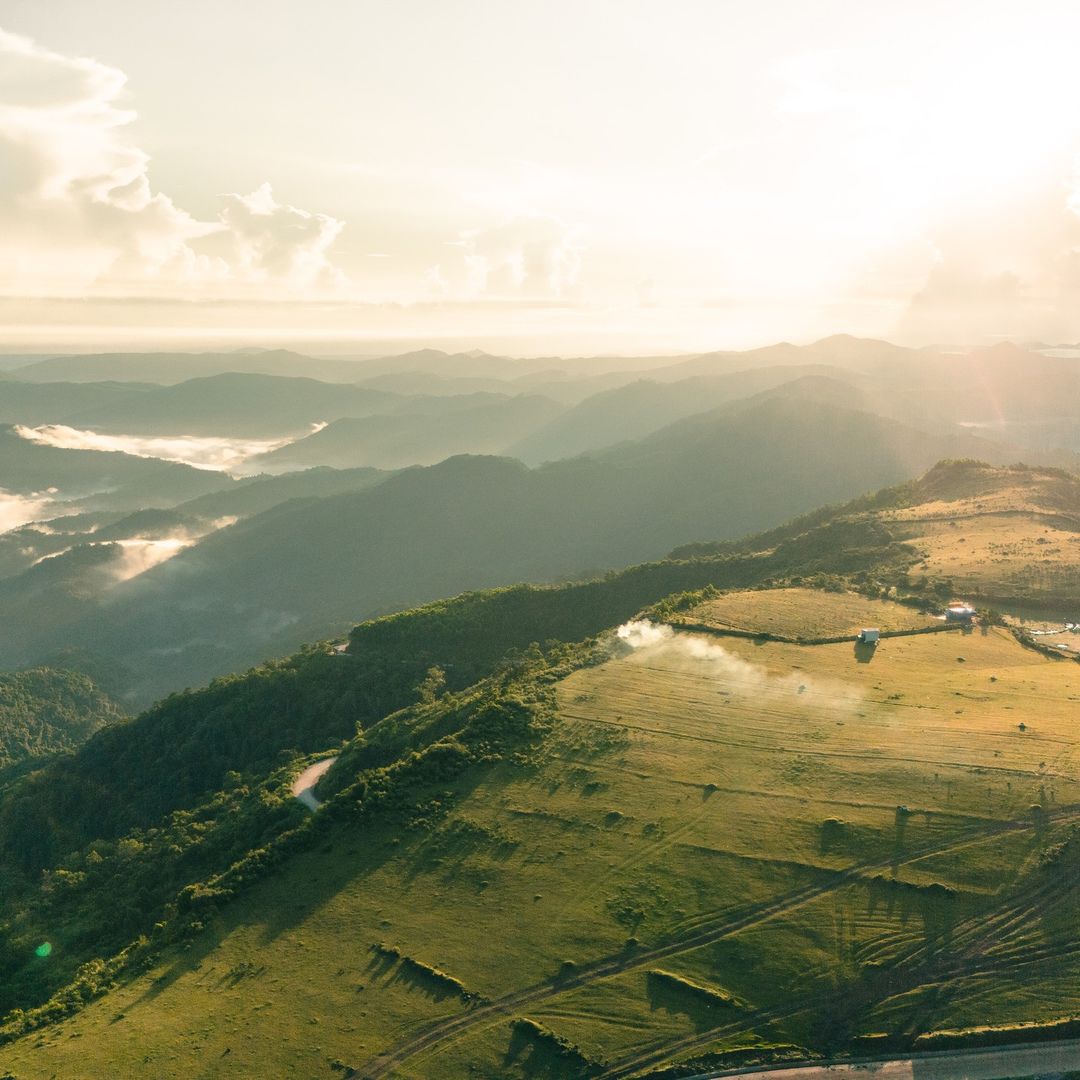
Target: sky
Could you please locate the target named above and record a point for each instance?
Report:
(598, 175)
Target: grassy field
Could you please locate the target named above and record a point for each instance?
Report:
(1019, 538)
(1015, 556)
(803, 613)
(715, 849)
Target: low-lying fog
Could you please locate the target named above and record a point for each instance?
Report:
(137, 554)
(19, 510)
(217, 453)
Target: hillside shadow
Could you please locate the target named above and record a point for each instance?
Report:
(191, 960)
(379, 964)
(450, 845)
(899, 832)
(932, 905)
(537, 1061)
(355, 855)
(318, 884)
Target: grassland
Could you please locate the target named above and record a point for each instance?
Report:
(1018, 538)
(714, 850)
(1003, 556)
(803, 614)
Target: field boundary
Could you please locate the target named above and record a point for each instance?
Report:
(835, 639)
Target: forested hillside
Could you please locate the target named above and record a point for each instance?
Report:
(45, 711)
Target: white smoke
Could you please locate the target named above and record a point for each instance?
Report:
(215, 453)
(680, 650)
(643, 634)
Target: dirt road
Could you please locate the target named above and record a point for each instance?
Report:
(990, 1063)
(304, 785)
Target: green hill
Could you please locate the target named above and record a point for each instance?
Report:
(644, 406)
(52, 403)
(182, 778)
(593, 856)
(168, 368)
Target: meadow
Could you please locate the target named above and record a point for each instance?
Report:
(803, 614)
(1015, 539)
(722, 847)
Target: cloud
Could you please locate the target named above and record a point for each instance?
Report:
(1007, 269)
(78, 212)
(19, 510)
(274, 240)
(530, 257)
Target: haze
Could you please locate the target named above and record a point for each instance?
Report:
(623, 176)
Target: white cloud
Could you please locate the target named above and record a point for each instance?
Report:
(78, 212)
(1007, 269)
(531, 256)
(276, 241)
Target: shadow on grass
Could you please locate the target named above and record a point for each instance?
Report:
(431, 988)
(669, 998)
(190, 960)
(356, 850)
(449, 845)
(536, 1060)
(379, 964)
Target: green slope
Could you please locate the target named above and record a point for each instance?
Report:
(603, 861)
(192, 782)
(571, 857)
